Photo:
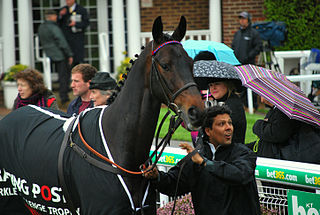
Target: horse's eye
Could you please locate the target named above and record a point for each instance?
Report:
(165, 67)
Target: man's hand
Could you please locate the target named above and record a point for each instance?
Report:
(70, 60)
(72, 23)
(196, 158)
(152, 174)
(63, 11)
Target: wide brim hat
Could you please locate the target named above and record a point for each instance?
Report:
(102, 81)
(210, 71)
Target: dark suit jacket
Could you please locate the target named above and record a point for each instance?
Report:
(75, 39)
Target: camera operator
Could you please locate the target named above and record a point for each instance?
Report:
(246, 44)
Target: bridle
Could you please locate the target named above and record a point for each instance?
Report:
(163, 84)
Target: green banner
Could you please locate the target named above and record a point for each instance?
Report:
(262, 172)
(303, 203)
(168, 158)
(290, 176)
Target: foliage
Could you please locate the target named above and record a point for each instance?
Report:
(302, 18)
(267, 211)
(10, 74)
(122, 69)
(183, 206)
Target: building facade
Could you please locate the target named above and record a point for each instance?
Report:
(117, 26)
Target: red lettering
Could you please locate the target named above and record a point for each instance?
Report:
(47, 198)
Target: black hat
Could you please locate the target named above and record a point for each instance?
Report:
(102, 81)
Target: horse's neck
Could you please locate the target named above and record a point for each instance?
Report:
(130, 122)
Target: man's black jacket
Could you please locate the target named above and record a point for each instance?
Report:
(225, 186)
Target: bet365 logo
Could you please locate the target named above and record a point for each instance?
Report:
(305, 208)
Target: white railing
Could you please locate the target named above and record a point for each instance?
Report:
(146, 37)
(45, 63)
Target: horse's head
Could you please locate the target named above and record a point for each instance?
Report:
(171, 77)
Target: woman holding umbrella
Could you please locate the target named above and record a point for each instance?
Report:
(222, 81)
(291, 129)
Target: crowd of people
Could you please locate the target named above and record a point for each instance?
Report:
(220, 176)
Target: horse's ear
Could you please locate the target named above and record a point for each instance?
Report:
(180, 31)
(157, 30)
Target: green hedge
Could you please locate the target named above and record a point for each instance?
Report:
(303, 22)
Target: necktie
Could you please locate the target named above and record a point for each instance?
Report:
(70, 10)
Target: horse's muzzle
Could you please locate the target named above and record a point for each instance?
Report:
(195, 116)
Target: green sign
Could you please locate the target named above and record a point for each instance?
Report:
(168, 158)
(290, 176)
(303, 203)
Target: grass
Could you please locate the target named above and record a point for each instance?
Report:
(184, 135)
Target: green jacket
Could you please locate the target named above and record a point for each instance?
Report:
(53, 41)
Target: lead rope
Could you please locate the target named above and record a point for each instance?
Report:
(183, 161)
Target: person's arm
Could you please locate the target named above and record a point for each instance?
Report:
(84, 19)
(62, 42)
(239, 171)
(166, 182)
(256, 45)
(276, 129)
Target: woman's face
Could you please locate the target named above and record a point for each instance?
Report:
(98, 98)
(265, 101)
(24, 89)
(218, 89)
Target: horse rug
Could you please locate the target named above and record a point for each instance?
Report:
(30, 140)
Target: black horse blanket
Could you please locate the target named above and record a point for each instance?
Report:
(30, 140)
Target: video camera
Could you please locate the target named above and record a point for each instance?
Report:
(273, 32)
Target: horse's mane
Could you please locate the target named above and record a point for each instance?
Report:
(121, 82)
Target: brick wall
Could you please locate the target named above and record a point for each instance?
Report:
(230, 12)
(197, 14)
(195, 11)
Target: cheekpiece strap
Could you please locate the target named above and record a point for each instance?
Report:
(163, 44)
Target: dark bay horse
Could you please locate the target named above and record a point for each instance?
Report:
(30, 139)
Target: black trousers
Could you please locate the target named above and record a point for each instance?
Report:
(64, 74)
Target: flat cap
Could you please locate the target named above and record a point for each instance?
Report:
(244, 14)
(102, 81)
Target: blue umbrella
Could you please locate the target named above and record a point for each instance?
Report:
(220, 50)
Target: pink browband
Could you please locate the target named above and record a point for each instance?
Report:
(163, 44)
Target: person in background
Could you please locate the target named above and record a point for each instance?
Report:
(283, 138)
(32, 91)
(81, 76)
(204, 55)
(73, 20)
(224, 90)
(247, 44)
(102, 87)
(220, 176)
(57, 49)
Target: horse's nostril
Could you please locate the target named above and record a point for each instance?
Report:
(192, 112)
(195, 116)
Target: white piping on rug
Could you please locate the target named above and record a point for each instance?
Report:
(119, 176)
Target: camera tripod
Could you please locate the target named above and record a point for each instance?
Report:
(267, 56)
